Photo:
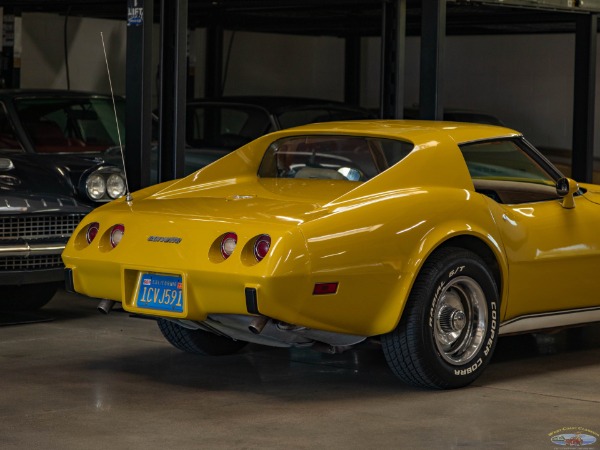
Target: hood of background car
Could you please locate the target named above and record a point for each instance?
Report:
(50, 174)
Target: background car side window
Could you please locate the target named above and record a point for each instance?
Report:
(226, 127)
(8, 138)
(503, 160)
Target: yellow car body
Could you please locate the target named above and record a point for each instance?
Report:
(345, 255)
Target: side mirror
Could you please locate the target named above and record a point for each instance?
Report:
(566, 188)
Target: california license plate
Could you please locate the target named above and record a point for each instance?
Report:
(160, 292)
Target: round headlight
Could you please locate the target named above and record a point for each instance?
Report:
(115, 186)
(95, 186)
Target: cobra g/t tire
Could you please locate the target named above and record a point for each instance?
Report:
(449, 327)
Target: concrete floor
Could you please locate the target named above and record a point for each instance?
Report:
(88, 381)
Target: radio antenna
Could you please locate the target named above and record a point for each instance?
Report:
(128, 197)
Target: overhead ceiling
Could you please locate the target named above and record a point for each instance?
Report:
(342, 17)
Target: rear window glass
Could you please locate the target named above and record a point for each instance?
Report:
(351, 158)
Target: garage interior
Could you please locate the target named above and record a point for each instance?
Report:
(73, 377)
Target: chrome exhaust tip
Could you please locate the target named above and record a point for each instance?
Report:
(258, 324)
(105, 306)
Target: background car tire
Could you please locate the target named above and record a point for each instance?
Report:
(449, 328)
(27, 297)
(198, 341)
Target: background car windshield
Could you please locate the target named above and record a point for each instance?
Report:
(503, 160)
(8, 137)
(75, 125)
(352, 158)
(224, 126)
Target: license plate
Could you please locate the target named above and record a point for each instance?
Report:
(160, 292)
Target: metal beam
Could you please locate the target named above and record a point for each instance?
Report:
(393, 44)
(433, 38)
(213, 81)
(173, 85)
(584, 97)
(138, 85)
(352, 70)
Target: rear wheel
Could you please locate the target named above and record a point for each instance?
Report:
(27, 297)
(449, 327)
(198, 341)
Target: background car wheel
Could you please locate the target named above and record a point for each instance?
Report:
(198, 341)
(449, 327)
(27, 297)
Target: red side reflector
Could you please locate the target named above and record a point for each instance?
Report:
(325, 288)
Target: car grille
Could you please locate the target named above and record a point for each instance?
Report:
(32, 228)
(38, 227)
(38, 262)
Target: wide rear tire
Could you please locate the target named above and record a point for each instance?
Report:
(449, 328)
(198, 341)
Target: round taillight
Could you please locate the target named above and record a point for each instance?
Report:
(116, 234)
(228, 244)
(262, 246)
(92, 231)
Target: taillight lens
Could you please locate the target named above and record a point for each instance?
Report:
(92, 231)
(262, 246)
(228, 244)
(116, 234)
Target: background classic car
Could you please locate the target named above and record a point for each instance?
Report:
(216, 127)
(51, 175)
(435, 237)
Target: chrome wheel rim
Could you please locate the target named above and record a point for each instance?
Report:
(460, 320)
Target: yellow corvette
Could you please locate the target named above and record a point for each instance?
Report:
(435, 237)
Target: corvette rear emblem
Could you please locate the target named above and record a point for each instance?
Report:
(166, 240)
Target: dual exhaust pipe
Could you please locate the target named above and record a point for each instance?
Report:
(256, 325)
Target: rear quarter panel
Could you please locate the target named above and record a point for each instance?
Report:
(376, 249)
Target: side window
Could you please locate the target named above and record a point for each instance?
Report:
(505, 172)
(503, 160)
(8, 137)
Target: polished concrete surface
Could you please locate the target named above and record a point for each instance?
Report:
(82, 380)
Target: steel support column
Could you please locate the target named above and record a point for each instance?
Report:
(10, 57)
(138, 85)
(352, 70)
(213, 82)
(393, 44)
(433, 36)
(584, 97)
(173, 85)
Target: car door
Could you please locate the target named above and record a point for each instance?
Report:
(552, 251)
(553, 255)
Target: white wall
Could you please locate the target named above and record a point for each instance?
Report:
(272, 64)
(526, 80)
(43, 56)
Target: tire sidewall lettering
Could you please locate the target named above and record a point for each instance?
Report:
(482, 357)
